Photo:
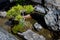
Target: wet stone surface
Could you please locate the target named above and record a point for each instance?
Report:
(4, 35)
(30, 35)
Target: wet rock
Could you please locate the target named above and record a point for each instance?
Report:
(11, 0)
(40, 9)
(46, 1)
(50, 4)
(3, 13)
(55, 3)
(30, 35)
(4, 35)
(37, 26)
(50, 1)
(37, 1)
(52, 19)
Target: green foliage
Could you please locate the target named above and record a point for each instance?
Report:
(29, 8)
(17, 10)
(19, 27)
(18, 17)
(14, 11)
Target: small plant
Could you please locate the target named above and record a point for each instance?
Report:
(19, 27)
(29, 8)
(18, 17)
(15, 12)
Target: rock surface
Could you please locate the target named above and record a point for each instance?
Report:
(40, 9)
(4, 35)
(37, 1)
(37, 26)
(3, 13)
(30, 35)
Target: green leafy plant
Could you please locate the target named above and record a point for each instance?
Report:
(29, 8)
(19, 27)
(15, 12)
(18, 17)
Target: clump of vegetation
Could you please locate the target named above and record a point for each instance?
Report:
(29, 8)
(19, 27)
(15, 12)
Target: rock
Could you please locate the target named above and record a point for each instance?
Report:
(37, 1)
(4, 35)
(46, 1)
(37, 26)
(53, 2)
(57, 3)
(52, 21)
(30, 35)
(3, 13)
(50, 1)
(50, 4)
(39, 8)
(11, 0)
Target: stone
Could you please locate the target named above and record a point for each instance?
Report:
(52, 21)
(11, 0)
(4, 35)
(40, 9)
(3, 13)
(55, 3)
(37, 26)
(37, 1)
(30, 35)
(50, 1)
